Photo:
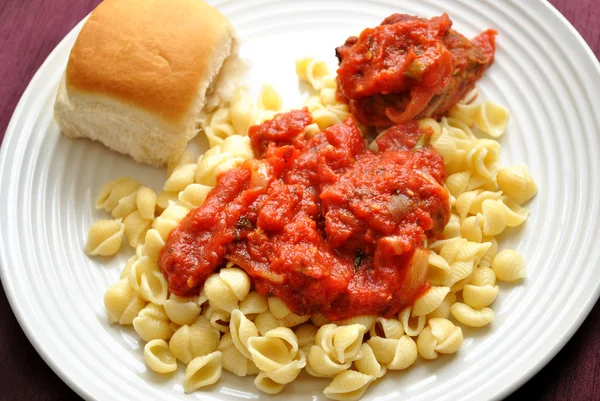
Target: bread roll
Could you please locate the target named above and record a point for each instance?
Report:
(141, 72)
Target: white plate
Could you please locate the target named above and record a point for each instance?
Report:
(544, 72)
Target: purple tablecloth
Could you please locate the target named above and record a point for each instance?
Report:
(30, 29)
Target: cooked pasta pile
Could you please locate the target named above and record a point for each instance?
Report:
(229, 326)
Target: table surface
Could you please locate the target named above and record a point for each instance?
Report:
(30, 29)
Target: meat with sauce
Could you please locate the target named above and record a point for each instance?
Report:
(410, 68)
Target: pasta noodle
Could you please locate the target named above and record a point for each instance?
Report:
(348, 385)
(269, 99)
(517, 183)
(267, 385)
(125, 206)
(368, 363)
(152, 323)
(233, 360)
(481, 291)
(227, 288)
(412, 325)
(440, 336)
(135, 228)
(472, 317)
(158, 357)
(492, 118)
(122, 303)
(202, 371)
(111, 193)
(429, 301)
(254, 303)
(277, 355)
(313, 71)
(218, 318)
(194, 194)
(191, 341)
(105, 237)
(182, 310)
(509, 266)
(387, 328)
(181, 177)
(395, 354)
(241, 330)
(146, 202)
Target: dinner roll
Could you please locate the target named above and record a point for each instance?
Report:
(141, 74)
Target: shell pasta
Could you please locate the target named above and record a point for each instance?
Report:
(230, 325)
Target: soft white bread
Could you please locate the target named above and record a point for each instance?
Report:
(140, 72)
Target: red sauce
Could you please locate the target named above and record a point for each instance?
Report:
(323, 223)
(409, 68)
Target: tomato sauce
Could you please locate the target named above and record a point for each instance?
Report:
(409, 68)
(324, 223)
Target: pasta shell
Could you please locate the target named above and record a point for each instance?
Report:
(182, 310)
(254, 303)
(127, 268)
(125, 206)
(472, 317)
(494, 215)
(268, 353)
(196, 340)
(122, 303)
(478, 297)
(517, 182)
(233, 360)
(181, 177)
(141, 266)
(288, 373)
(465, 113)
(237, 280)
(306, 334)
(439, 336)
(152, 323)
(443, 310)
(387, 328)
(105, 237)
(146, 202)
(429, 301)
(112, 192)
(219, 319)
(163, 199)
(412, 326)
(492, 118)
(154, 287)
(405, 354)
(135, 228)
(269, 99)
(194, 194)
(153, 244)
(265, 322)
(267, 385)
(347, 341)
(365, 320)
(202, 371)
(509, 266)
(278, 308)
(241, 330)
(159, 357)
(348, 385)
(457, 182)
(368, 363)
(320, 364)
(293, 320)
(515, 214)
